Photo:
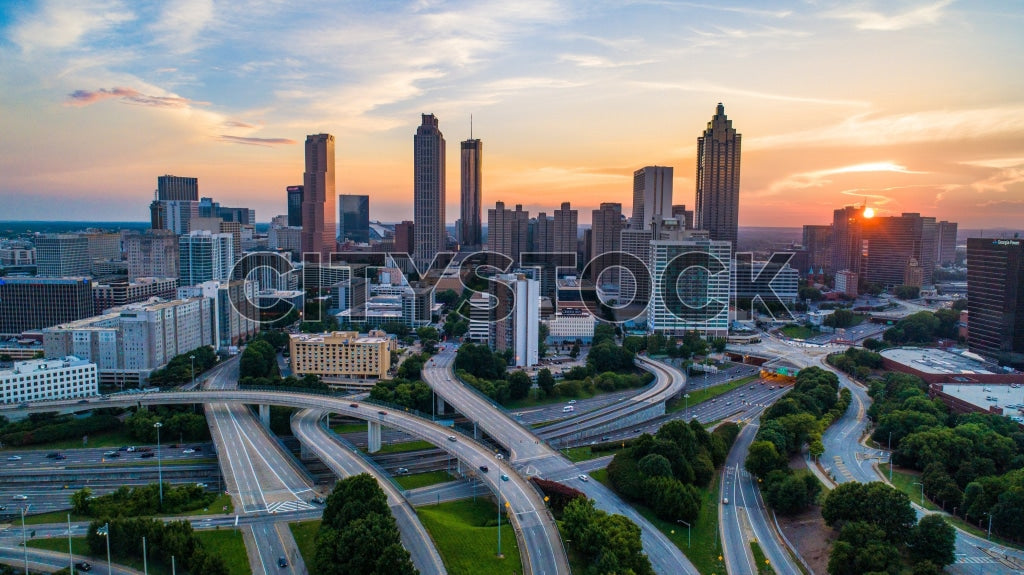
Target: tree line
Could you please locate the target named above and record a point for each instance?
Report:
(178, 371)
(163, 541)
(141, 500)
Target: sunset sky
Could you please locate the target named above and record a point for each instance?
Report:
(913, 105)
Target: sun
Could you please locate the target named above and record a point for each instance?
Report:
(869, 212)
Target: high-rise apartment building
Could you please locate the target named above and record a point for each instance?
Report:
(471, 207)
(652, 195)
(718, 178)
(294, 206)
(203, 256)
(153, 253)
(35, 303)
(118, 293)
(566, 229)
(847, 242)
(818, 245)
(945, 243)
(515, 319)
(319, 230)
(691, 286)
(898, 250)
(62, 255)
(428, 192)
(543, 233)
(606, 226)
(355, 218)
(995, 297)
(177, 188)
(233, 314)
(508, 230)
(684, 216)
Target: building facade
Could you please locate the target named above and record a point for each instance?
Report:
(691, 286)
(174, 215)
(898, 250)
(945, 243)
(471, 206)
(177, 188)
(294, 206)
(355, 218)
(119, 293)
(516, 317)
(508, 230)
(234, 314)
(35, 303)
(718, 178)
(606, 228)
(204, 257)
(62, 255)
(341, 355)
(652, 195)
(570, 324)
(319, 230)
(566, 229)
(818, 245)
(153, 253)
(995, 296)
(847, 241)
(48, 379)
(428, 192)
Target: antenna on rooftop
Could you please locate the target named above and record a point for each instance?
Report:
(471, 126)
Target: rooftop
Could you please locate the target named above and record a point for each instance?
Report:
(33, 365)
(938, 361)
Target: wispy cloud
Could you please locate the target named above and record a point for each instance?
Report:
(237, 124)
(719, 89)
(268, 142)
(746, 10)
(594, 61)
(80, 98)
(182, 24)
(821, 178)
(59, 25)
(866, 19)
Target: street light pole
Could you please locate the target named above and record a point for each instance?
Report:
(105, 532)
(145, 563)
(917, 483)
(686, 398)
(687, 531)
(24, 539)
(71, 555)
(499, 518)
(159, 465)
(193, 358)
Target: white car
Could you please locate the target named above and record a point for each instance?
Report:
(583, 477)
(189, 451)
(14, 458)
(20, 498)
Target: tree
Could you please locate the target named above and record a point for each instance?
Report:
(480, 361)
(542, 338)
(933, 540)
(840, 318)
(575, 351)
(907, 292)
(654, 465)
(448, 297)
(672, 500)
(763, 458)
(862, 549)
(519, 385)
(546, 381)
(875, 503)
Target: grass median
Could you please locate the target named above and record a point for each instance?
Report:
(701, 395)
(304, 533)
(417, 480)
(466, 536)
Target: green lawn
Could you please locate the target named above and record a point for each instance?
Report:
(349, 428)
(798, 331)
(577, 454)
(466, 537)
(703, 395)
(215, 508)
(304, 533)
(148, 462)
(763, 566)
(229, 544)
(601, 476)
(417, 480)
(81, 550)
(405, 446)
(98, 439)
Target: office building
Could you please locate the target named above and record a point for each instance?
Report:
(103, 246)
(341, 356)
(818, 245)
(606, 228)
(62, 255)
(177, 188)
(48, 379)
(684, 216)
(847, 240)
(405, 237)
(294, 206)
(898, 250)
(354, 216)
(153, 253)
(106, 295)
(127, 343)
(571, 324)
(174, 215)
(35, 303)
(470, 209)
(286, 238)
(216, 225)
(203, 257)
(995, 297)
(652, 195)
(783, 282)
(428, 192)
(691, 286)
(718, 178)
(515, 318)
(233, 317)
(211, 209)
(508, 230)
(847, 283)
(945, 243)
(636, 284)
(318, 197)
(566, 229)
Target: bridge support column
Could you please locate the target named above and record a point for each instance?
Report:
(476, 431)
(265, 415)
(440, 404)
(372, 436)
(304, 452)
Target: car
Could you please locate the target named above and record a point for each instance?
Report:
(52, 455)
(83, 401)
(122, 448)
(402, 470)
(282, 562)
(14, 458)
(25, 404)
(83, 566)
(583, 477)
(451, 438)
(20, 498)
(201, 485)
(382, 413)
(725, 501)
(504, 477)
(353, 405)
(572, 402)
(60, 456)
(317, 500)
(130, 449)
(484, 468)
(3, 508)
(499, 456)
(197, 447)
(148, 454)
(110, 453)
(189, 451)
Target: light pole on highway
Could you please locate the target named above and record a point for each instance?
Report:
(159, 465)
(687, 531)
(916, 483)
(193, 358)
(686, 400)
(105, 532)
(71, 556)
(24, 539)
(499, 518)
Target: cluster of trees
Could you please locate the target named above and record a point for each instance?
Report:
(400, 391)
(178, 371)
(141, 501)
(358, 533)
(972, 464)
(658, 344)
(258, 360)
(923, 327)
(163, 541)
(666, 471)
(792, 422)
(258, 365)
(47, 427)
(907, 292)
(877, 527)
(841, 318)
(610, 544)
(176, 424)
(558, 494)
(856, 362)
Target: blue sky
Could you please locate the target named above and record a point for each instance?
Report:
(914, 105)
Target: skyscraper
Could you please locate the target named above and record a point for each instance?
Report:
(566, 229)
(945, 243)
(543, 234)
(177, 188)
(174, 215)
(318, 226)
(718, 178)
(153, 253)
(294, 206)
(898, 250)
(995, 297)
(652, 195)
(428, 191)
(203, 257)
(684, 216)
(470, 208)
(847, 243)
(507, 230)
(818, 244)
(355, 218)
(405, 233)
(606, 226)
(63, 255)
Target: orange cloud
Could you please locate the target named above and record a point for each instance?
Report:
(80, 98)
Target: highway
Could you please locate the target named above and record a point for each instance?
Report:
(531, 456)
(50, 561)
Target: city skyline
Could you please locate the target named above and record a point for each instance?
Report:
(906, 105)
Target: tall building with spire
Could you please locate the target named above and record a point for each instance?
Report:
(319, 228)
(470, 208)
(718, 178)
(428, 192)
